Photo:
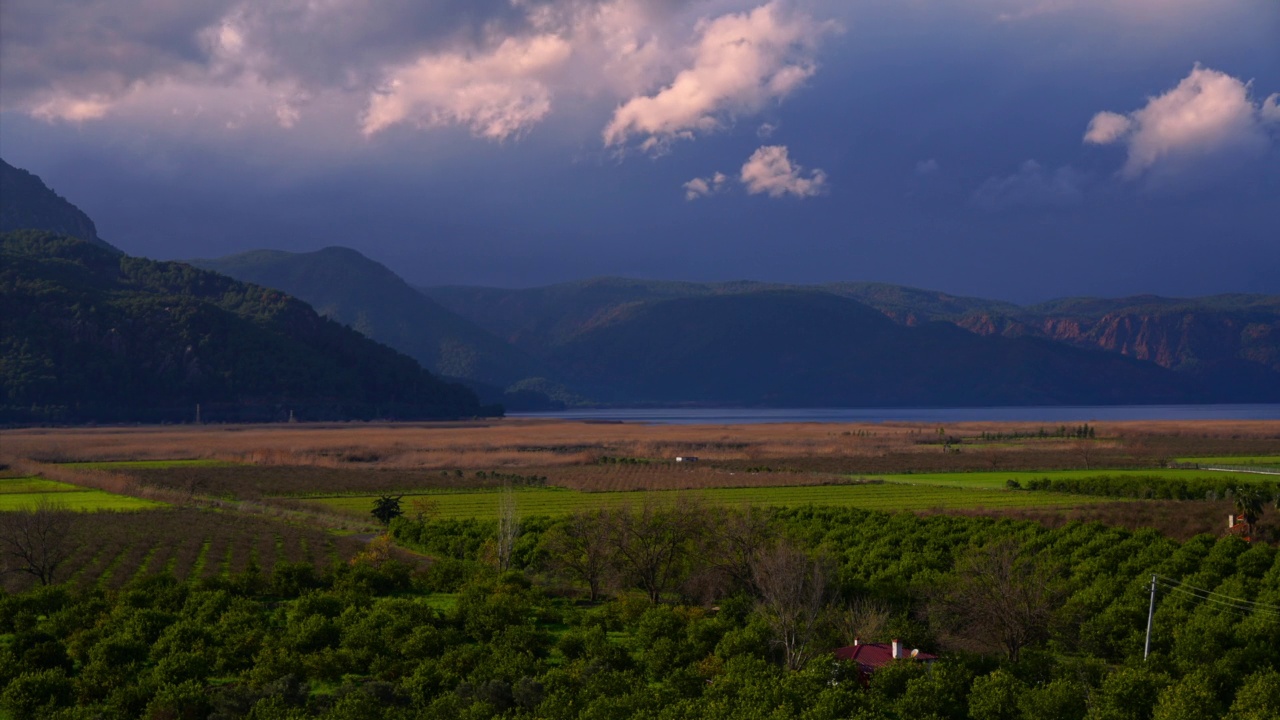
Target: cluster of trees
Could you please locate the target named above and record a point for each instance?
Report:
(699, 613)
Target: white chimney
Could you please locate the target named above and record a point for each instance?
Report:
(855, 642)
(1231, 521)
(897, 649)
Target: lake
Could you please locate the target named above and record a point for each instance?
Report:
(737, 416)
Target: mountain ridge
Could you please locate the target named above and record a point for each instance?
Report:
(99, 336)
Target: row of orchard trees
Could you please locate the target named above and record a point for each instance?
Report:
(1031, 623)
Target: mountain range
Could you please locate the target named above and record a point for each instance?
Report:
(339, 334)
(625, 341)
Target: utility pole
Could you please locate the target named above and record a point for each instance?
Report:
(1151, 612)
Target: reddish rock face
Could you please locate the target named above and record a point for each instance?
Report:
(1171, 339)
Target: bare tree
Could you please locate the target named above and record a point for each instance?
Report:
(36, 540)
(652, 545)
(582, 546)
(735, 541)
(997, 599)
(793, 597)
(866, 620)
(508, 526)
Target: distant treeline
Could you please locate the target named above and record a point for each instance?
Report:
(1152, 487)
(1080, 432)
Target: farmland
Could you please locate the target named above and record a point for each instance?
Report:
(259, 584)
(112, 548)
(24, 492)
(871, 496)
(991, 480)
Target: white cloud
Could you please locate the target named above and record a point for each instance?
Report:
(925, 168)
(70, 108)
(1271, 108)
(769, 170)
(1208, 118)
(496, 94)
(702, 187)
(1107, 127)
(741, 62)
(1031, 186)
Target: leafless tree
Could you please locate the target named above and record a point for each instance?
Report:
(793, 597)
(582, 547)
(652, 545)
(508, 526)
(865, 619)
(735, 540)
(997, 600)
(36, 540)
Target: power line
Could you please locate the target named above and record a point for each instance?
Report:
(1178, 583)
(1247, 611)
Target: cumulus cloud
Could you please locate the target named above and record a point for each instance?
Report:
(741, 62)
(1107, 127)
(1031, 186)
(769, 170)
(702, 187)
(497, 67)
(1207, 120)
(496, 94)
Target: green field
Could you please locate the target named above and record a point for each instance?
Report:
(887, 497)
(148, 464)
(997, 479)
(27, 492)
(1264, 460)
(26, 485)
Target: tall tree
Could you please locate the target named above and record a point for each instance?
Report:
(793, 598)
(997, 599)
(581, 546)
(652, 544)
(36, 540)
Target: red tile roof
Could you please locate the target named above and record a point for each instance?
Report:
(871, 656)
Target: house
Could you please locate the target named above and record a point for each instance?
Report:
(686, 459)
(873, 656)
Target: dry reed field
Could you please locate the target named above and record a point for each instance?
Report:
(546, 443)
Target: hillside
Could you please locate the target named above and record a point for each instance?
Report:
(27, 203)
(815, 349)
(1228, 346)
(92, 335)
(346, 286)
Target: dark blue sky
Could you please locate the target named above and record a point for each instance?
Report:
(936, 144)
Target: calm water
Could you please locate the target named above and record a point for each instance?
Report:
(735, 416)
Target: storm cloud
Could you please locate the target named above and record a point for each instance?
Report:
(520, 142)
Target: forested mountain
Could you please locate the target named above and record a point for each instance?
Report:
(346, 286)
(342, 284)
(816, 349)
(26, 203)
(1224, 347)
(94, 335)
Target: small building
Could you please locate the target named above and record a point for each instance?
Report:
(1238, 525)
(870, 657)
(687, 459)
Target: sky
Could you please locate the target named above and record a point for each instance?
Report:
(1011, 149)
